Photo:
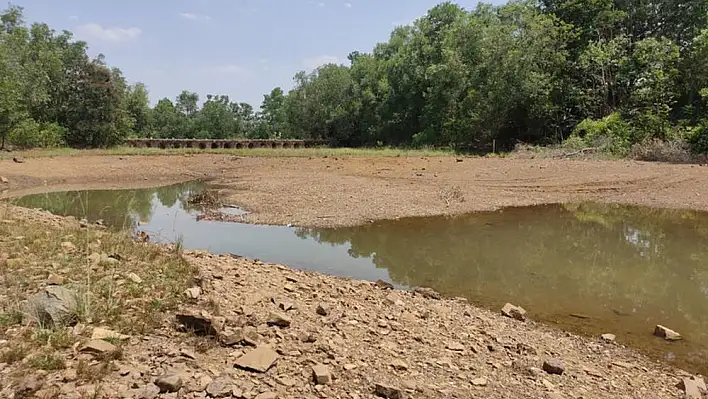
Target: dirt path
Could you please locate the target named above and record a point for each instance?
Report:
(330, 191)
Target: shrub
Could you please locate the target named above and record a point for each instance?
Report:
(655, 150)
(698, 138)
(611, 133)
(31, 134)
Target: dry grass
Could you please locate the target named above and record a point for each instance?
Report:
(97, 266)
(653, 150)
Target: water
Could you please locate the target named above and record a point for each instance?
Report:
(623, 269)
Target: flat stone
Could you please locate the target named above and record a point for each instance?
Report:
(104, 333)
(513, 311)
(666, 333)
(218, 389)
(259, 360)
(134, 278)
(383, 284)
(321, 374)
(399, 364)
(479, 382)
(553, 366)
(4, 180)
(608, 337)
(266, 395)
(427, 292)
(455, 346)
(323, 309)
(55, 279)
(98, 347)
(150, 391)
(169, 383)
(693, 387)
(388, 392)
(188, 353)
(279, 319)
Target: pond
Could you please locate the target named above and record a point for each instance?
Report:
(588, 268)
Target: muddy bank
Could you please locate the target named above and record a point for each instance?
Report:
(332, 191)
(246, 329)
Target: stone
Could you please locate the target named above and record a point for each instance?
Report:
(279, 319)
(479, 382)
(514, 312)
(321, 374)
(218, 389)
(188, 353)
(104, 333)
(455, 346)
(693, 387)
(323, 309)
(666, 333)
(593, 372)
(399, 364)
(69, 375)
(349, 366)
(68, 246)
(266, 395)
(383, 284)
(98, 347)
(553, 366)
(427, 292)
(150, 391)
(608, 337)
(18, 160)
(199, 324)
(169, 383)
(193, 293)
(55, 306)
(28, 386)
(388, 392)
(55, 279)
(259, 360)
(134, 278)
(83, 223)
(4, 180)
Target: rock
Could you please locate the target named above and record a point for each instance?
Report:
(169, 383)
(389, 392)
(150, 391)
(399, 364)
(55, 279)
(553, 366)
(266, 395)
(479, 382)
(199, 324)
(98, 347)
(28, 386)
(455, 346)
(383, 284)
(279, 319)
(18, 160)
(666, 333)
(69, 375)
(321, 374)
(515, 312)
(218, 389)
(260, 360)
(426, 292)
(83, 223)
(134, 278)
(608, 337)
(349, 366)
(4, 180)
(193, 293)
(55, 306)
(68, 246)
(188, 353)
(323, 309)
(692, 386)
(104, 333)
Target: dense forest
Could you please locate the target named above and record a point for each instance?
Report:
(608, 74)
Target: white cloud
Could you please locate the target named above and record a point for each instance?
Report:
(348, 5)
(314, 62)
(194, 17)
(113, 35)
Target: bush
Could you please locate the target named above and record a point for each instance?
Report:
(698, 138)
(611, 133)
(655, 150)
(31, 134)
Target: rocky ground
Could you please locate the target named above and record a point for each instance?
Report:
(241, 328)
(322, 191)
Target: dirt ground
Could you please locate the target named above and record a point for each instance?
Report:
(336, 191)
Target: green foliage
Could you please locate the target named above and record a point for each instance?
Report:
(698, 138)
(31, 134)
(610, 133)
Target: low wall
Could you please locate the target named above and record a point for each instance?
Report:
(227, 143)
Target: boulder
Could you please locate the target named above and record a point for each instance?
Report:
(388, 392)
(513, 311)
(321, 374)
(55, 306)
(666, 333)
(169, 383)
(553, 366)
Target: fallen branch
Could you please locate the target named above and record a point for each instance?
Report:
(581, 151)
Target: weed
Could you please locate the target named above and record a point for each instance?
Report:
(11, 318)
(56, 338)
(14, 353)
(46, 360)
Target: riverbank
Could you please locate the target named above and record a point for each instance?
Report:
(242, 328)
(330, 191)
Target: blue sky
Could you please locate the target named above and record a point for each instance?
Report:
(242, 48)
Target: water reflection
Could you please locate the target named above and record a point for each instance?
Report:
(627, 268)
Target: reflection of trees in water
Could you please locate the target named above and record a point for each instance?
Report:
(554, 258)
(118, 208)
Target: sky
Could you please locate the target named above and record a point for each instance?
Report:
(241, 48)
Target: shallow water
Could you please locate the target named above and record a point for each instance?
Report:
(624, 269)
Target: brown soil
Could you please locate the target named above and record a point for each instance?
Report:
(321, 191)
(359, 334)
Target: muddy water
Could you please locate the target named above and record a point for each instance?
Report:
(588, 268)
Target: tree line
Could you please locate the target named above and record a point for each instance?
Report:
(607, 73)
